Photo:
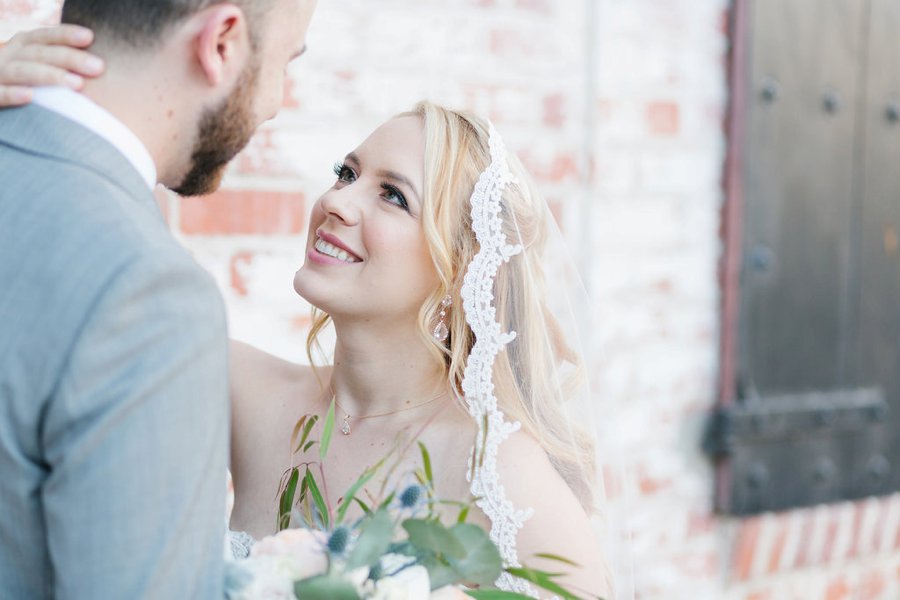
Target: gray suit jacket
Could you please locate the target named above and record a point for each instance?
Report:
(113, 379)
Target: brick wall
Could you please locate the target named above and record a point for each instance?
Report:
(617, 108)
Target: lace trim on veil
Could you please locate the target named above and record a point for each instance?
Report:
(478, 297)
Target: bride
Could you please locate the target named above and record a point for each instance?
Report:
(423, 255)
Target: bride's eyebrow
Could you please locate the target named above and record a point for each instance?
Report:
(386, 174)
(401, 179)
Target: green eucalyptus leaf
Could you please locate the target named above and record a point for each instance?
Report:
(373, 542)
(440, 573)
(327, 431)
(432, 535)
(319, 501)
(325, 587)
(482, 563)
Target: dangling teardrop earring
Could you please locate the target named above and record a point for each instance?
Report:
(441, 331)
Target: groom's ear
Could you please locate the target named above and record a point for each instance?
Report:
(221, 43)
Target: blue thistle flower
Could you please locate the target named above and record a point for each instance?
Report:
(337, 542)
(411, 496)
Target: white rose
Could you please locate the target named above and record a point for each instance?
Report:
(302, 552)
(411, 583)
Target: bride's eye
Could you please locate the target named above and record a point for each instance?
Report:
(394, 196)
(344, 173)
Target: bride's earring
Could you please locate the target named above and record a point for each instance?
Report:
(441, 332)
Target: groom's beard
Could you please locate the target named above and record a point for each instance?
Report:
(223, 132)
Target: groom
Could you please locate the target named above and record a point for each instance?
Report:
(113, 375)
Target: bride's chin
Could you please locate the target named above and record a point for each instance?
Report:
(309, 291)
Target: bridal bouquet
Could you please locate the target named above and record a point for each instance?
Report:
(398, 549)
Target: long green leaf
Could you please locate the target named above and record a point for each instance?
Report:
(298, 426)
(557, 558)
(327, 431)
(543, 580)
(463, 514)
(351, 492)
(287, 500)
(365, 507)
(321, 507)
(306, 431)
(426, 462)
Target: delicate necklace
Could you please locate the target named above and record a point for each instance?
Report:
(345, 425)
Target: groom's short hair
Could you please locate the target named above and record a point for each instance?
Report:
(140, 24)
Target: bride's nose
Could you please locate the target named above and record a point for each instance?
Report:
(342, 205)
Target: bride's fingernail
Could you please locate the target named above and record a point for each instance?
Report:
(93, 64)
(19, 96)
(73, 81)
(83, 36)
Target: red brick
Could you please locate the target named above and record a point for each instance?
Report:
(748, 536)
(806, 531)
(238, 284)
(562, 168)
(872, 586)
(837, 590)
(555, 110)
(663, 118)
(831, 532)
(778, 543)
(542, 6)
(859, 511)
(230, 212)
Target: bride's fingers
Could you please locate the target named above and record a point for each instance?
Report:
(58, 35)
(14, 96)
(62, 57)
(31, 74)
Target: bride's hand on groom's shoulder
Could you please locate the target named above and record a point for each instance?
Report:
(45, 56)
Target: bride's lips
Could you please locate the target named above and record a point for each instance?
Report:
(330, 250)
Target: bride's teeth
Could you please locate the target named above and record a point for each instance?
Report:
(333, 251)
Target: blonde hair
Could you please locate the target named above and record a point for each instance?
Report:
(527, 373)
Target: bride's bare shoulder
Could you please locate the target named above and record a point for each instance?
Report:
(257, 375)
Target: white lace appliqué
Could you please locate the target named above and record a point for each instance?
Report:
(478, 387)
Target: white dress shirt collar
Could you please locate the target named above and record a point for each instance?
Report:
(82, 110)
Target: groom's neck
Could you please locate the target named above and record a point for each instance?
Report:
(151, 95)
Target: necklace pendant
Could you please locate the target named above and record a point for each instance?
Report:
(345, 426)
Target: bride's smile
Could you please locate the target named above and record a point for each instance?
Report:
(371, 220)
(331, 246)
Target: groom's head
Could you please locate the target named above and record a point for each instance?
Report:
(215, 68)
